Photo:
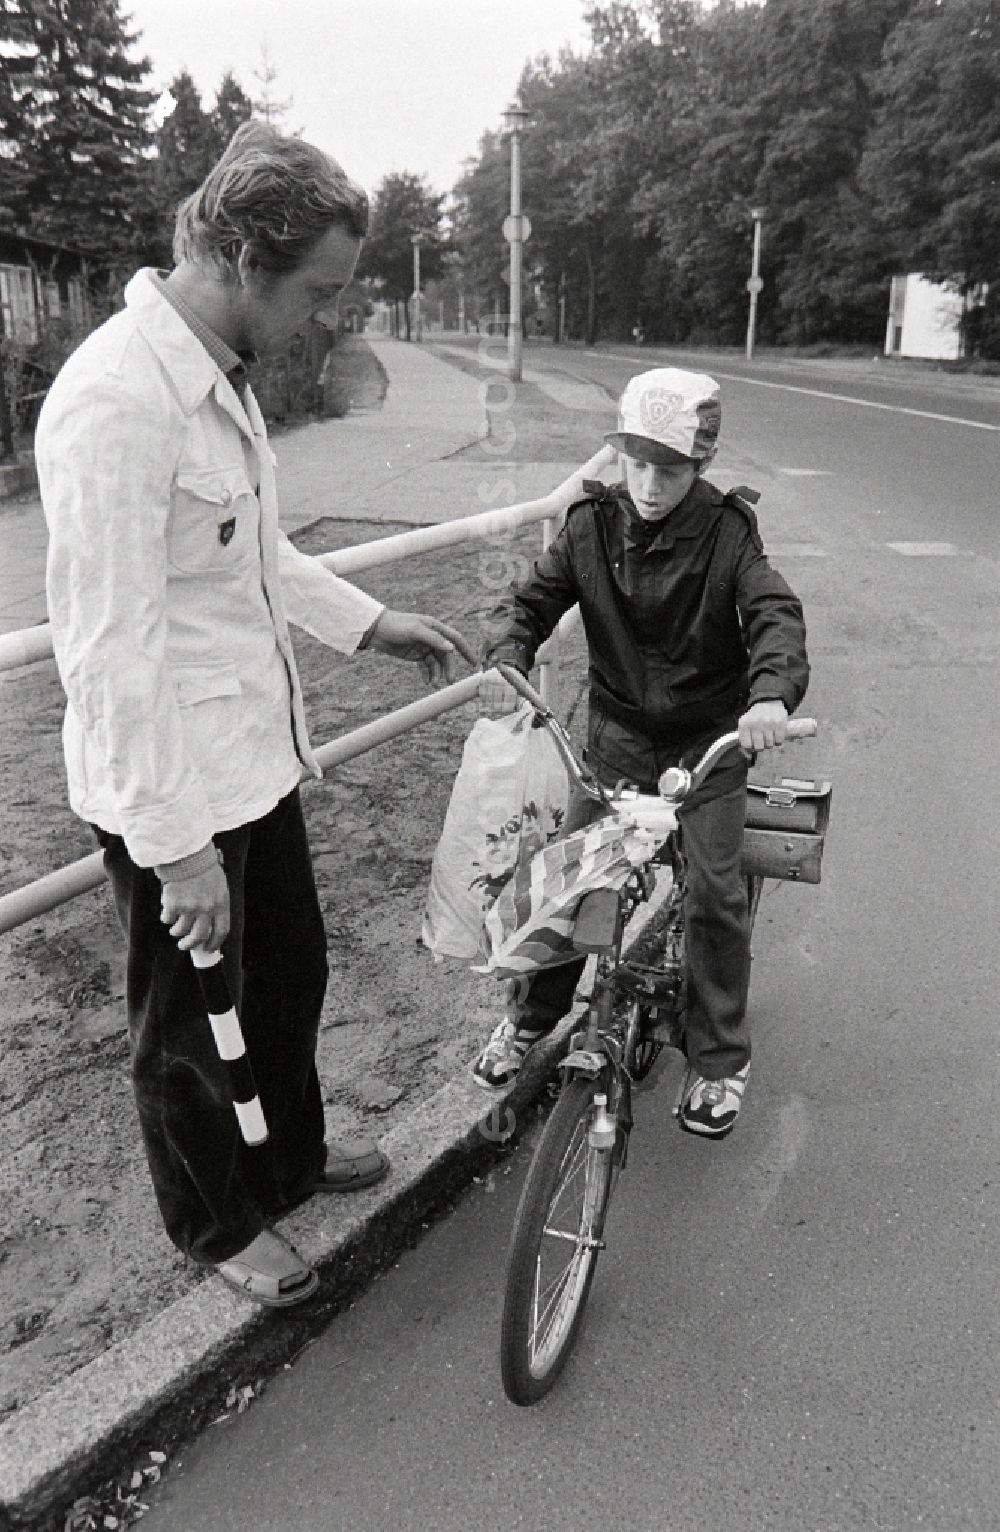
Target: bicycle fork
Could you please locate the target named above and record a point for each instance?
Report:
(596, 1055)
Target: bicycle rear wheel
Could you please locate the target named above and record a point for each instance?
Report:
(554, 1246)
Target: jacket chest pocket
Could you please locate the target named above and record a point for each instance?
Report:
(214, 525)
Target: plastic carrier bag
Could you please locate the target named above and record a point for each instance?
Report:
(530, 926)
(509, 799)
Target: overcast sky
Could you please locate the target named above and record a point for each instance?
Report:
(383, 85)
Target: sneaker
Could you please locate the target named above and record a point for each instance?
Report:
(503, 1055)
(711, 1107)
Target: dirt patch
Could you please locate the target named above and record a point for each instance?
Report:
(83, 1258)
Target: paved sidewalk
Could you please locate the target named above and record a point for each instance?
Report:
(23, 541)
(402, 463)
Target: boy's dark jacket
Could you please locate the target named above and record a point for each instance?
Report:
(686, 622)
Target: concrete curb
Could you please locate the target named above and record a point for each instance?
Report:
(171, 1376)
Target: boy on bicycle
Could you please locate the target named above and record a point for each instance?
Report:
(690, 634)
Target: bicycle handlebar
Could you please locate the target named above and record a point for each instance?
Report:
(583, 777)
(675, 784)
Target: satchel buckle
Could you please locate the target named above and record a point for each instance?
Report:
(780, 798)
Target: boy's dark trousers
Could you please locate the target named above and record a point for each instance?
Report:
(215, 1194)
(718, 939)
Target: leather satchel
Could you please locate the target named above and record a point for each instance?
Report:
(785, 830)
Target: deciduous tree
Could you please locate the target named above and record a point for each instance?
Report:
(932, 158)
(403, 205)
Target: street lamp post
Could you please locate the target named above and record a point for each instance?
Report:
(516, 229)
(755, 283)
(416, 240)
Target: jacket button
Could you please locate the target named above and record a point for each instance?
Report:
(227, 497)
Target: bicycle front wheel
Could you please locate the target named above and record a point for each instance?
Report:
(557, 1235)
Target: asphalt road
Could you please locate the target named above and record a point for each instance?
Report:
(795, 1329)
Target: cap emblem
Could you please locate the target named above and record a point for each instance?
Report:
(658, 406)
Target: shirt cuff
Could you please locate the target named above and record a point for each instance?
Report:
(366, 636)
(189, 866)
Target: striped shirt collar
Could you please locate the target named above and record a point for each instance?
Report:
(225, 358)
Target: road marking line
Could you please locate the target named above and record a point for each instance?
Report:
(924, 550)
(806, 473)
(868, 404)
(820, 393)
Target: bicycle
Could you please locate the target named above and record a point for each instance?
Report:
(635, 1010)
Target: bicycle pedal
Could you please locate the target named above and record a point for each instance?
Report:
(645, 982)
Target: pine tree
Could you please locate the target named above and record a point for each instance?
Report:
(16, 68)
(267, 106)
(232, 107)
(184, 153)
(74, 123)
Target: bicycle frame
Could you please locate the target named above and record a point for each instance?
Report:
(606, 1049)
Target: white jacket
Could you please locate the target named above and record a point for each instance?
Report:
(170, 587)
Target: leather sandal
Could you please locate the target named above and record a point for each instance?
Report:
(350, 1168)
(270, 1272)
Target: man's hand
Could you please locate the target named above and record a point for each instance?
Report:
(197, 910)
(425, 640)
(763, 726)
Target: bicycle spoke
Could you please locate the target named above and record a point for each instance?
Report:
(544, 1320)
(548, 1325)
(570, 1222)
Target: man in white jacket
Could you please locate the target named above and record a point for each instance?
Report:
(170, 590)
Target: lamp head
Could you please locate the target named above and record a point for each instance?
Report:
(515, 118)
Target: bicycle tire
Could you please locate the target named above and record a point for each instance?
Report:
(554, 1195)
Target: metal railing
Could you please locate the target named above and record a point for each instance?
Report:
(29, 645)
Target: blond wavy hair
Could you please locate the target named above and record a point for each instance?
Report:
(273, 195)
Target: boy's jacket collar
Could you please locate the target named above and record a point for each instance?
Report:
(699, 509)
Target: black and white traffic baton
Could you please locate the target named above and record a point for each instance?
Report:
(228, 1036)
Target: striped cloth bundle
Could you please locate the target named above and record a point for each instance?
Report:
(530, 925)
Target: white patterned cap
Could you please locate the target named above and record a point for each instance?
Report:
(668, 416)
